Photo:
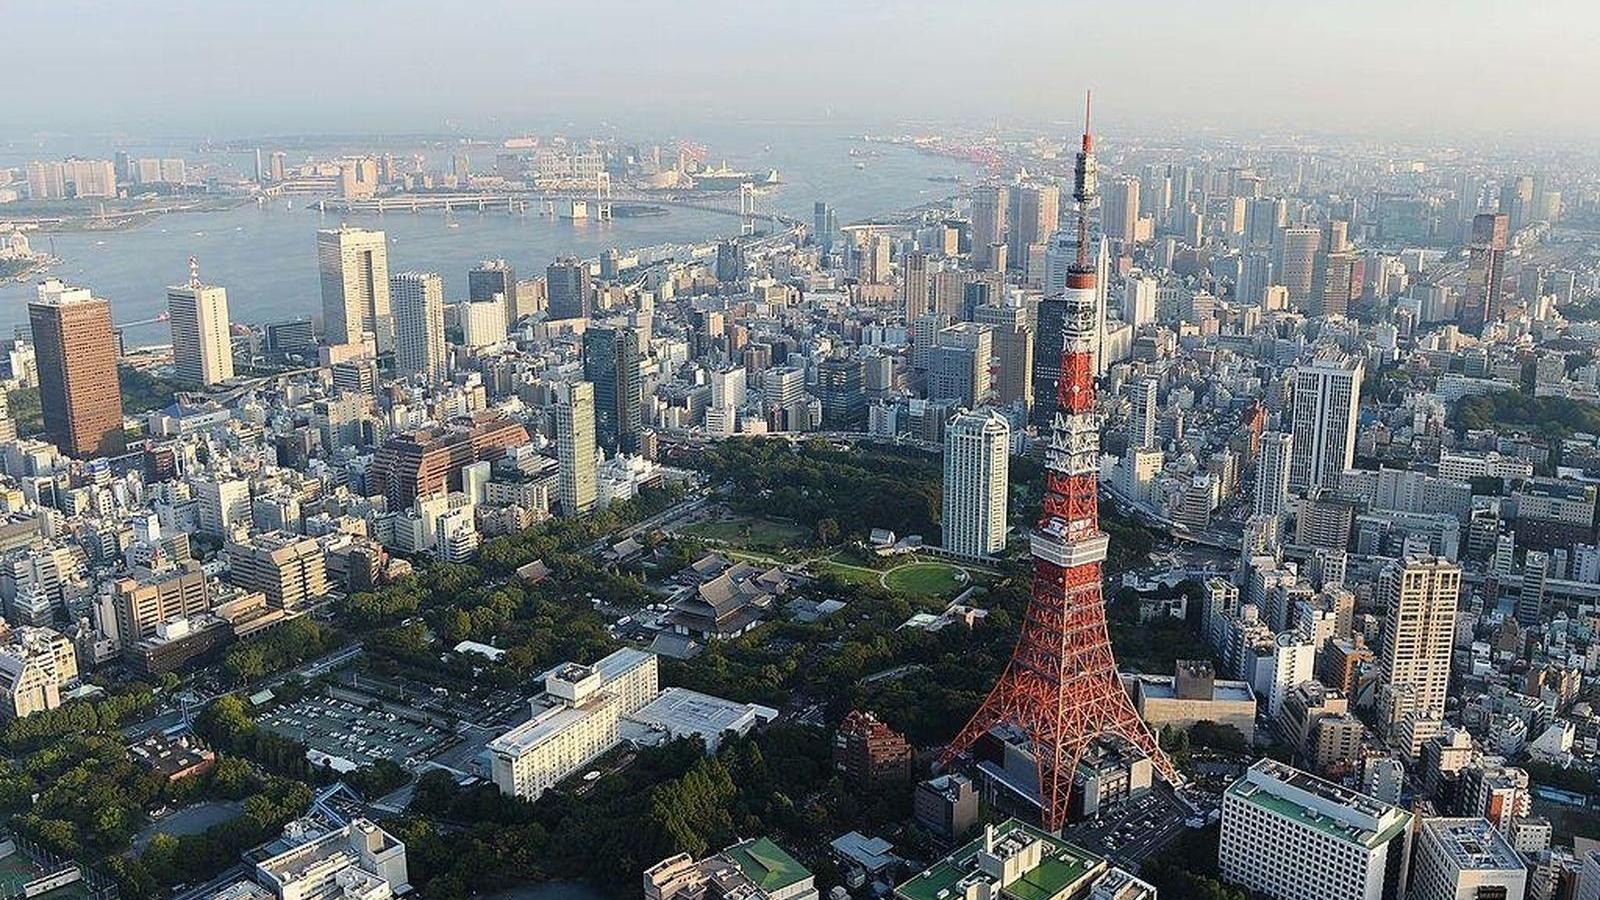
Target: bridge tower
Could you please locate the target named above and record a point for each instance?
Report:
(602, 197)
(1061, 689)
(747, 208)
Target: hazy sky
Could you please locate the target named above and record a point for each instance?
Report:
(232, 68)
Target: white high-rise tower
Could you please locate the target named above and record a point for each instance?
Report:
(1326, 393)
(976, 473)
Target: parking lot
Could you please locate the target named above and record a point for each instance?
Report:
(357, 733)
(1131, 830)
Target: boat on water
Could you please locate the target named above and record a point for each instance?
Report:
(723, 178)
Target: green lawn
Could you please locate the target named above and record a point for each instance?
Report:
(847, 572)
(749, 531)
(927, 579)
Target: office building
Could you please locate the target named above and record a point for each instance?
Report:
(1011, 340)
(959, 368)
(841, 388)
(946, 806)
(1465, 859)
(915, 288)
(977, 450)
(75, 350)
(145, 599)
(1194, 694)
(36, 665)
(1272, 473)
(1119, 209)
(988, 224)
(823, 226)
(1255, 274)
(291, 570)
(1012, 860)
(419, 347)
(1139, 300)
(354, 265)
(611, 363)
(1290, 835)
(426, 462)
(1034, 213)
(492, 279)
(575, 444)
(1483, 299)
(568, 288)
(1418, 596)
(1294, 262)
(202, 348)
(1326, 396)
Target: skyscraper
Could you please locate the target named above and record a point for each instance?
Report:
(611, 362)
(568, 288)
(1255, 273)
(823, 225)
(1295, 261)
(76, 352)
(354, 264)
(976, 466)
(1327, 391)
(1481, 301)
(1033, 214)
(575, 447)
(491, 277)
(959, 367)
(419, 348)
(840, 386)
(202, 352)
(1272, 473)
(1012, 340)
(1142, 421)
(1516, 202)
(1119, 212)
(988, 223)
(914, 289)
(1418, 596)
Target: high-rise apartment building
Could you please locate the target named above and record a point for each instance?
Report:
(988, 223)
(976, 471)
(568, 287)
(576, 447)
(611, 363)
(418, 301)
(1290, 835)
(1142, 418)
(1272, 473)
(354, 264)
(1418, 596)
(202, 349)
(1326, 393)
(75, 350)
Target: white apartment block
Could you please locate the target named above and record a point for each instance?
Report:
(1292, 836)
(1326, 393)
(977, 450)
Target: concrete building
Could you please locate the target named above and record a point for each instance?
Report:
(290, 570)
(1193, 695)
(146, 599)
(1327, 391)
(977, 451)
(35, 665)
(1142, 418)
(611, 363)
(358, 861)
(418, 303)
(959, 367)
(576, 720)
(1293, 836)
(75, 350)
(575, 443)
(1009, 861)
(569, 288)
(202, 348)
(869, 752)
(946, 806)
(354, 266)
(988, 223)
(1419, 597)
(1465, 859)
(1272, 473)
(755, 869)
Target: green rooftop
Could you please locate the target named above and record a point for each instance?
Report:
(1362, 837)
(767, 865)
(1062, 868)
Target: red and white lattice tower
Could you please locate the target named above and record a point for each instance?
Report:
(1061, 688)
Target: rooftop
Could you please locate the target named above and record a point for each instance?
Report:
(766, 864)
(543, 727)
(1062, 867)
(1319, 804)
(1473, 844)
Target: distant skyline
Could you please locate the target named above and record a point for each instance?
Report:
(1466, 69)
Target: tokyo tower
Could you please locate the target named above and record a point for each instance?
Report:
(1061, 687)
